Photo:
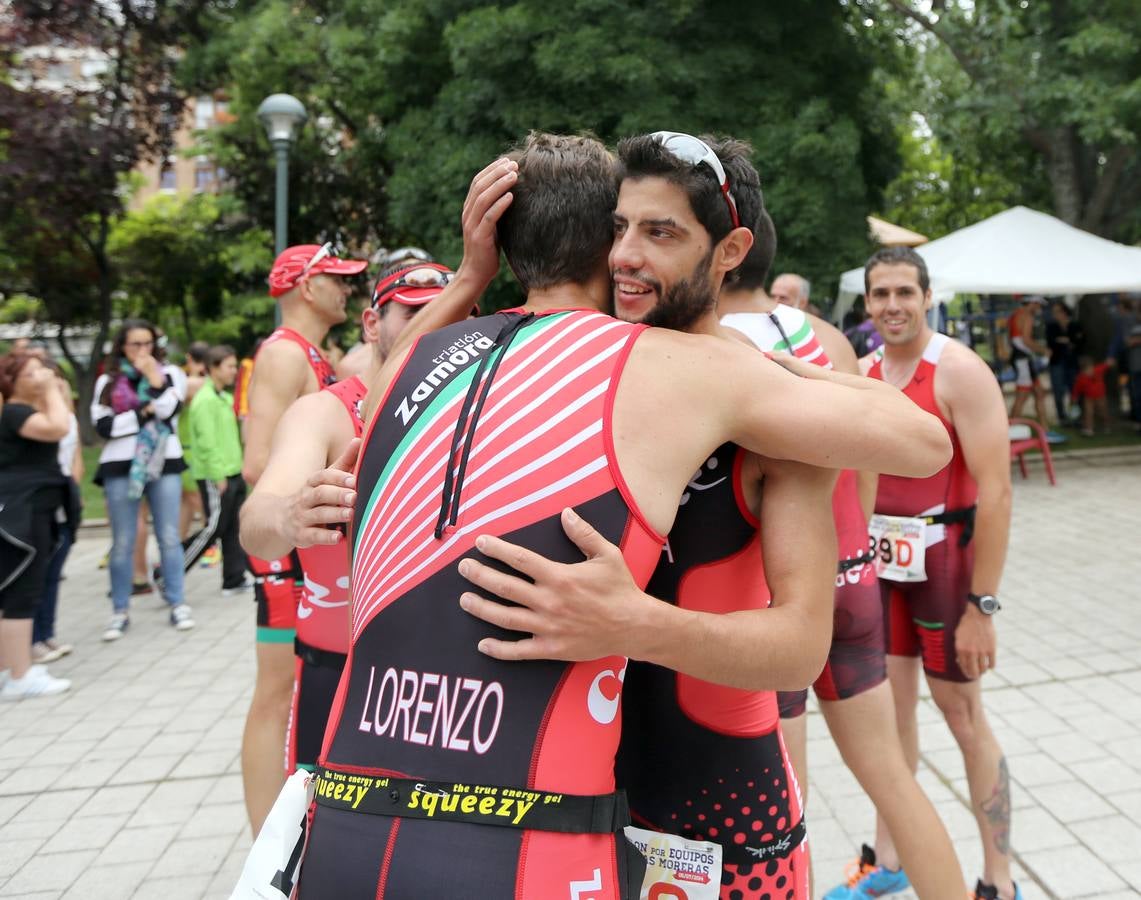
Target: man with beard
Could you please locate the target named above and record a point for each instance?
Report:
(495, 426)
(700, 756)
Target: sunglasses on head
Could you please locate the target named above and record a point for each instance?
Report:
(695, 151)
(420, 277)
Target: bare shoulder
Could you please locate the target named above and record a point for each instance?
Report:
(837, 347)
(963, 380)
(279, 367)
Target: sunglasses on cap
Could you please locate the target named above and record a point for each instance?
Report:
(325, 250)
(419, 277)
(695, 151)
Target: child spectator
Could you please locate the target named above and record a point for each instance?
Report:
(1089, 390)
(217, 467)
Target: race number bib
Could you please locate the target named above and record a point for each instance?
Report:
(677, 869)
(900, 546)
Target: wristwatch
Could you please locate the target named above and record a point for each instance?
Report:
(987, 604)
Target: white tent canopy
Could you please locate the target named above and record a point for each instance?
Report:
(1021, 251)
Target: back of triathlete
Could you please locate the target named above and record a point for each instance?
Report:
(856, 657)
(494, 424)
(322, 643)
(701, 760)
(921, 615)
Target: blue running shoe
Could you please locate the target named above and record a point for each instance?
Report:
(984, 891)
(1052, 437)
(866, 879)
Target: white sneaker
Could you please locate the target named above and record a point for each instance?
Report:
(115, 628)
(35, 683)
(181, 617)
(42, 653)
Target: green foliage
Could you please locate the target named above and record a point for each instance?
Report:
(20, 308)
(1045, 94)
(938, 192)
(409, 98)
(189, 263)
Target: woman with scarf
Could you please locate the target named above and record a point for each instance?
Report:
(34, 501)
(136, 405)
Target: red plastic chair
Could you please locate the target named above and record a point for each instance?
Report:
(1030, 437)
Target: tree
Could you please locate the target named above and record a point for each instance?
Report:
(182, 260)
(938, 191)
(1060, 78)
(409, 98)
(66, 143)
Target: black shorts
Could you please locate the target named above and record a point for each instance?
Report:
(20, 599)
(316, 676)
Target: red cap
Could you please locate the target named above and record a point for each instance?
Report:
(293, 261)
(413, 285)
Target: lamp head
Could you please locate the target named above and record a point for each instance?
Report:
(282, 115)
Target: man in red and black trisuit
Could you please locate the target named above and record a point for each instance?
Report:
(309, 282)
(483, 778)
(941, 546)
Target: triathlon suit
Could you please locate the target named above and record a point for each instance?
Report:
(1021, 356)
(856, 660)
(322, 624)
(920, 617)
(698, 759)
(493, 425)
(278, 582)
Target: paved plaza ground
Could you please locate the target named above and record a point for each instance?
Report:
(128, 786)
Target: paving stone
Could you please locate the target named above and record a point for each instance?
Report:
(137, 845)
(1072, 801)
(85, 834)
(108, 882)
(1114, 839)
(1072, 871)
(17, 851)
(193, 856)
(48, 871)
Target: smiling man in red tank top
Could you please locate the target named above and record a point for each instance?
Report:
(941, 543)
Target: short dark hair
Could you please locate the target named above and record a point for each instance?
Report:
(895, 256)
(197, 352)
(644, 156)
(758, 262)
(218, 354)
(559, 226)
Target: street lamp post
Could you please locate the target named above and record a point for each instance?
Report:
(282, 115)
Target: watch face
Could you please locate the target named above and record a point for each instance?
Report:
(988, 604)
